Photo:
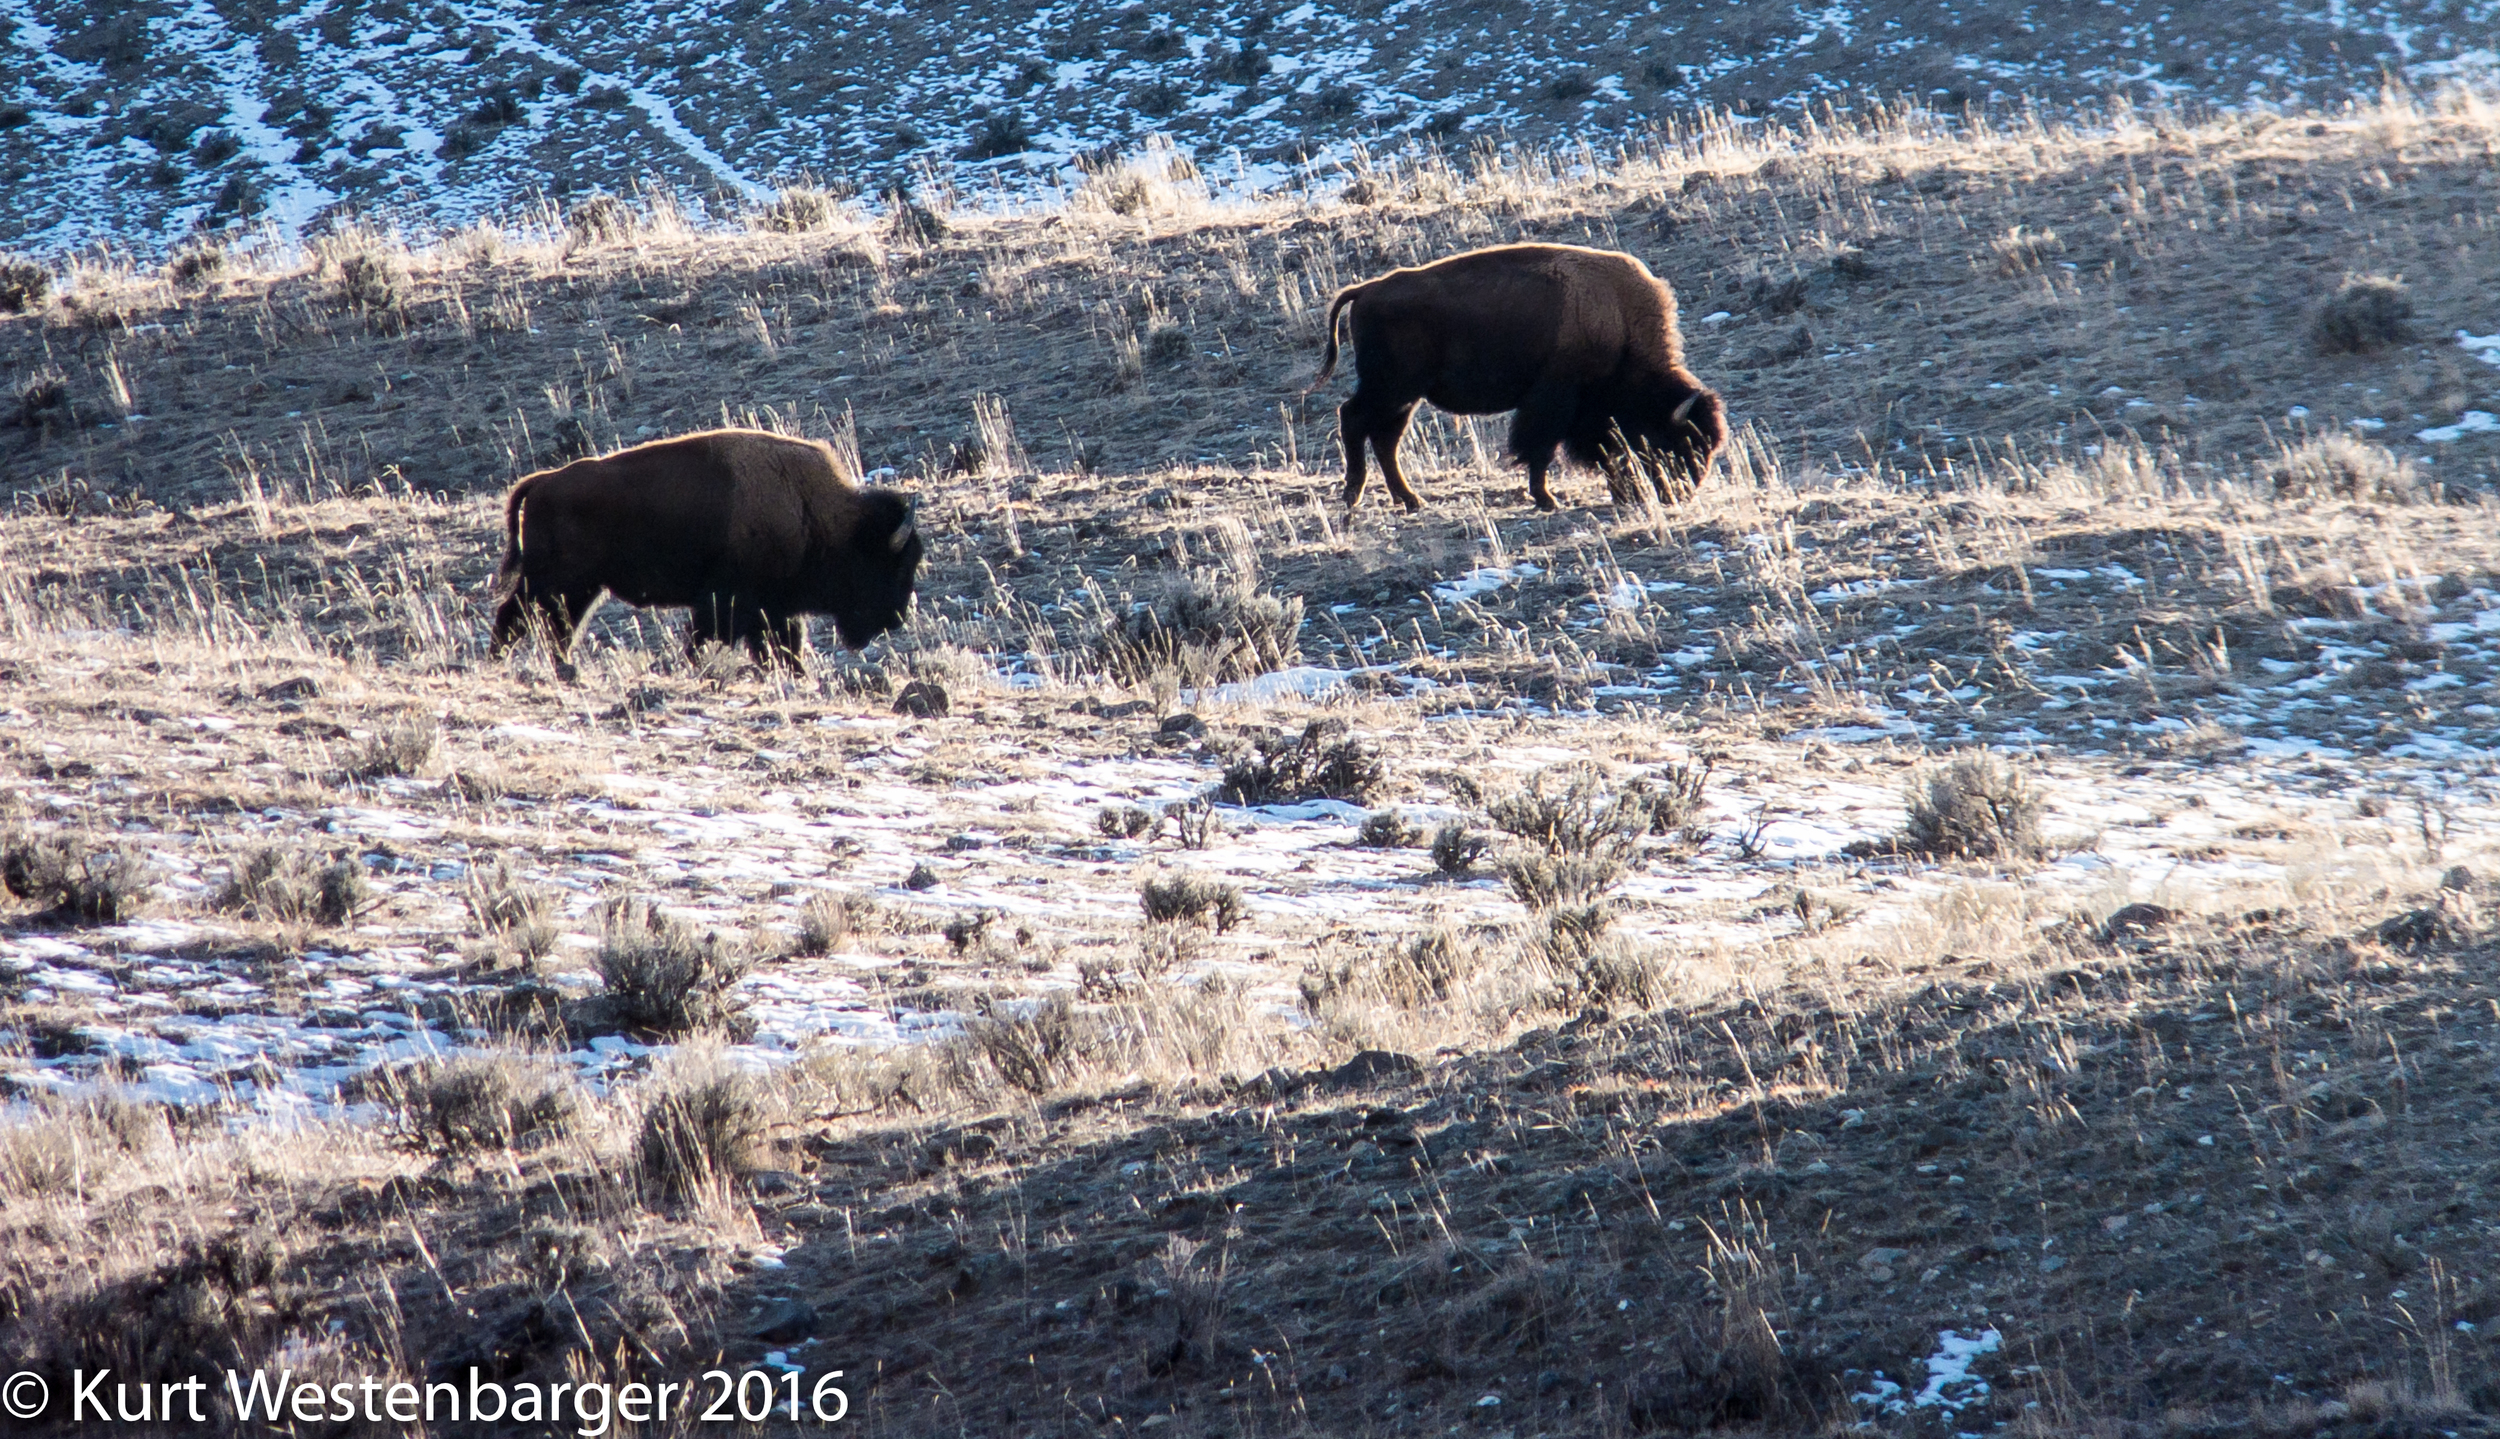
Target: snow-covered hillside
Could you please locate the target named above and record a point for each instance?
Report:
(136, 123)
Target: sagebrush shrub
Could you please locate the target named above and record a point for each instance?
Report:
(76, 879)
(293, 886)
(1456, 848)
(2366, 313)
(1206, 628)
(1974, 807)
(1181, 895)
(468, 1104)
(1324, 762)
(662, 975)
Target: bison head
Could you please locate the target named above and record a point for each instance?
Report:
(1668, 428)
(886, 551)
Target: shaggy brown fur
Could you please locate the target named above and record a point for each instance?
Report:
(752, 530)
(1581, 343)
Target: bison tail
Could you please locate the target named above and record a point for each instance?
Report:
(511, 566)
(1328, 357)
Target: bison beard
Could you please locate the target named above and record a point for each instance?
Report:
(1581, 343)
(752, 531)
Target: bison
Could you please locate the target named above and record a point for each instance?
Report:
(1581, 343)
(752, 530)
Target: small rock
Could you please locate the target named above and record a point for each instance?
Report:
(1882, 1258)
(922, 699)
(1182, 723)
(2052, 1263)
(787, 1322)
(921, 877)
(769, 1182)
(1371, 1066)
(304, 687)
(2416, 930)
(2133, 920)
(2458, 877)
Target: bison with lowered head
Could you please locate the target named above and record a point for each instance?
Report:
(752, 530)
(1581, 343)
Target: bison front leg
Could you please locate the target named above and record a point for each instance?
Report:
(1544, 419)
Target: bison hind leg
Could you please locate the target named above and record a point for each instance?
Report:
(780, 641)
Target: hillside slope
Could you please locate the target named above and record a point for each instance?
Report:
(133, 125)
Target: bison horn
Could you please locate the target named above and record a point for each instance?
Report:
(902, 537)
(1687, 407)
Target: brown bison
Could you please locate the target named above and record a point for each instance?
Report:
(752, 530)
(1582, 343)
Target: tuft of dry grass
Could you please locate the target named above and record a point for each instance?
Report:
(283, 885)
(471, 1104)
(510, 909)
(827, 921)
(799, 209)
(406, 747)
(2339, 466)
(702, 1131)
(68, 1145)
(1154, 180)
